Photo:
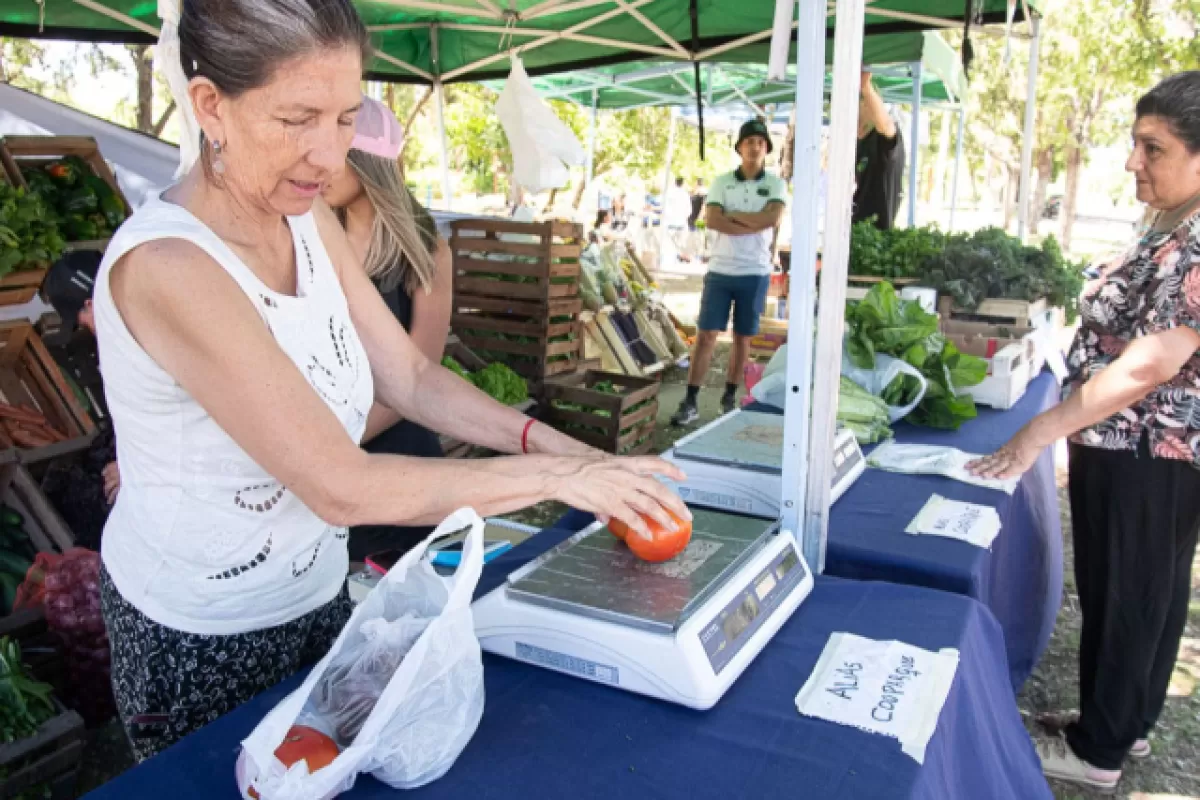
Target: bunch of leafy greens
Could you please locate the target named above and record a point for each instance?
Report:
(495, 380)
(864, 414)
(24, 703)
(882, 323)
(989, 263)
(29, 235)
(969, 267)
(895, 253)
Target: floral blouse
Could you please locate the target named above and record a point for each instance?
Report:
(1154, 287)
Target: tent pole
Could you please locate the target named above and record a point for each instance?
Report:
(914, 146)
(1023, 222)
(958, 148)
(591, 158)
(439, 92)
(666, 184)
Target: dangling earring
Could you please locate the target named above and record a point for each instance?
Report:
(218, 164)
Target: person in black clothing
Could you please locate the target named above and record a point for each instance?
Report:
(698, 198)
(879, 160)
(83, 488)
(398, 243)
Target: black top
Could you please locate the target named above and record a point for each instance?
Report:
(879, 169)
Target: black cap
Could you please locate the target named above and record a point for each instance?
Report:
(755, 127)
(69, 285)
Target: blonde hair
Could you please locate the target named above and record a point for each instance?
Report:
(403, 235)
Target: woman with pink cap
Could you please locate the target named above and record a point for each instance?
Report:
(397, 242)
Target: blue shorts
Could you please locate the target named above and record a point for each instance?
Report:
(747, 294)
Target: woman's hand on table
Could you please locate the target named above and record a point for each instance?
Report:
(1010, 461)
(620, 488)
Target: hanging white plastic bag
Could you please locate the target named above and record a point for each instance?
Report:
(401, 690)
(886, 370)
(542, 145)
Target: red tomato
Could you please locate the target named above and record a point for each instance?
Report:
(304, 744)
(618, 529)
(663, 544)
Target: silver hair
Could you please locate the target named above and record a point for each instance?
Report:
(238, 44)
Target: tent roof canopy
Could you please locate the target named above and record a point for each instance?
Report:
(660, 82)
(470, 40)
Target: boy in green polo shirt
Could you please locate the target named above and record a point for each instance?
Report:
(743, 210)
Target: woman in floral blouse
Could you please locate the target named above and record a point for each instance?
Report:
(1131, 410)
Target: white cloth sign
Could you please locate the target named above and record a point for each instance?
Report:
(928, 459)
(954, 519)
(889, 688)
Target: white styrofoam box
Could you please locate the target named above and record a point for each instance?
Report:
(1009, 373)
(924, 295)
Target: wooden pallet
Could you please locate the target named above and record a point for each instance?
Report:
(514, 279)
(621, 423)
(30, 377)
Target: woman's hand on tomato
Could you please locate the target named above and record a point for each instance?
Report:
(621, 489)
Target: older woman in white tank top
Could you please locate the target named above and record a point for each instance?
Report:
(243, 347)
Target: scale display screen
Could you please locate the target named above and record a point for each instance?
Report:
(733, 626)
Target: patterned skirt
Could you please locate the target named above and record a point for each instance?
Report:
(168, 683)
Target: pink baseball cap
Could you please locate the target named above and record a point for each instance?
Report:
(377, 132)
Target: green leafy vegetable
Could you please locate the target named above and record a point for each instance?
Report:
(452, 365)
(882, 323)
(24, 703)
(29, 236)
(862, 412)
(504, 385)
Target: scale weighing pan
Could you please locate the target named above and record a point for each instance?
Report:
(681, 630)
(736, 463)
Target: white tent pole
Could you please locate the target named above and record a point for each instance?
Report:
(914, 170)
(943, 161)
(440, 96)
(591, 156)
(1027, 136)
(831, 311)
(958, 148)
(802, 278)
(666, 176)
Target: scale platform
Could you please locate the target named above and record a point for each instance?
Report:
(736, 463)
(682, 630)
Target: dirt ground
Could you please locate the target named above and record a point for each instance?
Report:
(1171, 773)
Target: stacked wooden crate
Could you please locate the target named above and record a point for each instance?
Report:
(610, 411)
(516, 294)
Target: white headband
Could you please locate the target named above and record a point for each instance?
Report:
(171, 64)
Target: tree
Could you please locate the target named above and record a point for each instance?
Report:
(143, 67)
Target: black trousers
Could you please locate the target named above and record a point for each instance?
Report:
(1134, 522)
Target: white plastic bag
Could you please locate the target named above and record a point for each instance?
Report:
(430, 703)
(542, 145)
(876, 380)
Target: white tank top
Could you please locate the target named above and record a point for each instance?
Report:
(202, 539)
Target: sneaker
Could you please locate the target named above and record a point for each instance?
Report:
(728, 403)
(1061, 763)
(1055, 722)
(686, 415)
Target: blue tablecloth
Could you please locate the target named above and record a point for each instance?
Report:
(1019, 579)
(555, 736)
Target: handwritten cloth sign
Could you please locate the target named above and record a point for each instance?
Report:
(954, 519)
(890, 688)
(930, 459)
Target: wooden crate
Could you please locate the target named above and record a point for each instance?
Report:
(25, 151)
(20, 492)
(42, 650)
(451, 447)
(621, 423)
(514, 279)
(51, 758)
(857, 286)
(18, 288)
(30, 377)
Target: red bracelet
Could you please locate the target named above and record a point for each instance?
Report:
(525, 435)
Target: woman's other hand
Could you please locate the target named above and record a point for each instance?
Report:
(1010, 461)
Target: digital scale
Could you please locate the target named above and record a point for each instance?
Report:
(736, 463)
(682, 630)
